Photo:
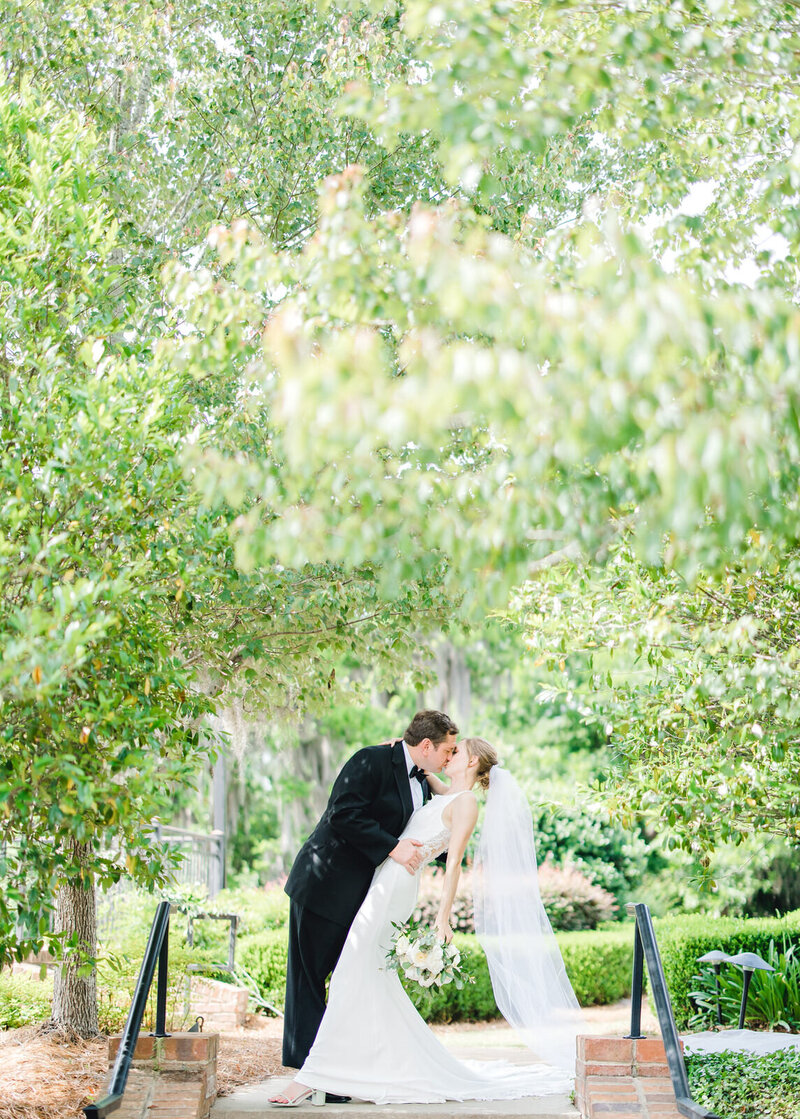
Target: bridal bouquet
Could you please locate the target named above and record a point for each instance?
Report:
(418, 953)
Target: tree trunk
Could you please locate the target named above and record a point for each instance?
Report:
(75, 994)
(312, 761)
(452, 691)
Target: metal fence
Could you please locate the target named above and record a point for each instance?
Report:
(203, 856)
(201, 864)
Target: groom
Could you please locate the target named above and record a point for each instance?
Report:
(370, 804)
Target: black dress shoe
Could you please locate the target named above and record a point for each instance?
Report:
(331, 1097)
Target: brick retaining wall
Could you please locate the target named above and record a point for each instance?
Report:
(222, 1005)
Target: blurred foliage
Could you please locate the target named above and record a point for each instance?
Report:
(27, 1000)
(462, 914)
(696, 686)
(582, 834)
(590, 378)
(571, 899)
(492, 292)
(23, 1000)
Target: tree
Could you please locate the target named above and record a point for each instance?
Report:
(124, 616)
(695, 687)
(502, 341)
(550, 393)
(207, 112)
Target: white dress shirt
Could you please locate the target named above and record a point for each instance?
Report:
(416, 787)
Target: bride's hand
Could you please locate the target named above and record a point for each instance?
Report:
(444, 930)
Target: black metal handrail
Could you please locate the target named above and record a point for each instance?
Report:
(645, 949)
(157, 950)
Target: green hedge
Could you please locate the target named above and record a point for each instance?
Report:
(598, 964)
(263, 956)
(682, 940)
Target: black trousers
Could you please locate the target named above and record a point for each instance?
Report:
(315, 944)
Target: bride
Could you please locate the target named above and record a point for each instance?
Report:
(372, 1043)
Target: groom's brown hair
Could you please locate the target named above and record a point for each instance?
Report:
(429, 724)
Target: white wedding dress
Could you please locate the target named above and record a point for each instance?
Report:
(372, 1044)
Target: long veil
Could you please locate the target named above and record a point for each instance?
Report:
(530, 983)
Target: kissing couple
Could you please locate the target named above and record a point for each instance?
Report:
(356, 877)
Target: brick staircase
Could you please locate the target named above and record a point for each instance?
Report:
(171, 1077)
(616, 1078)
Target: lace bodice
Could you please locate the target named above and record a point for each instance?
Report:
(433, 847)
(426, 824)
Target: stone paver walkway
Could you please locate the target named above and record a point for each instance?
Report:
(493, 1043)
(489, 1041)
(740, 1041)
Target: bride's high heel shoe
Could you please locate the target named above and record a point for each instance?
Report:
(316, 1095)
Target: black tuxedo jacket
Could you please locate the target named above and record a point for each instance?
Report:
(369, 805)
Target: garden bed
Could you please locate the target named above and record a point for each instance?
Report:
(743, 1086)
(45, 1076)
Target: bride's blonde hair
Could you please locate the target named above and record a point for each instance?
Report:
(487, 757)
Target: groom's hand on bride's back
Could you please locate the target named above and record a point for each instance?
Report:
(407, 855)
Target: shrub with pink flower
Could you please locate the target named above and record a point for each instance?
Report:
(571, 899)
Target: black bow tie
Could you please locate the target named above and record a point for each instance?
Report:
(420, 774)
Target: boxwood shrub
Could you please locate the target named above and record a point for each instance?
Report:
(682, 940)
(263, 956)
(598, 964)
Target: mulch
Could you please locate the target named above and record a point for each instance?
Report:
(50, 1076)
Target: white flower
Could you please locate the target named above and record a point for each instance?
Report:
(423, 958)
(435, 960)
(430, 958)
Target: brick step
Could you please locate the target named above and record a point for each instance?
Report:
(170, 1078)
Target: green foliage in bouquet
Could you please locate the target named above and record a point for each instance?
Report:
(418, 953)
(473, 1002)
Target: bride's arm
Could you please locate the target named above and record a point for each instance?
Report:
(437, 785)
(464, 813)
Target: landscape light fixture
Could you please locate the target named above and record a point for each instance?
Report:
(748, 962)
(716, 959)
